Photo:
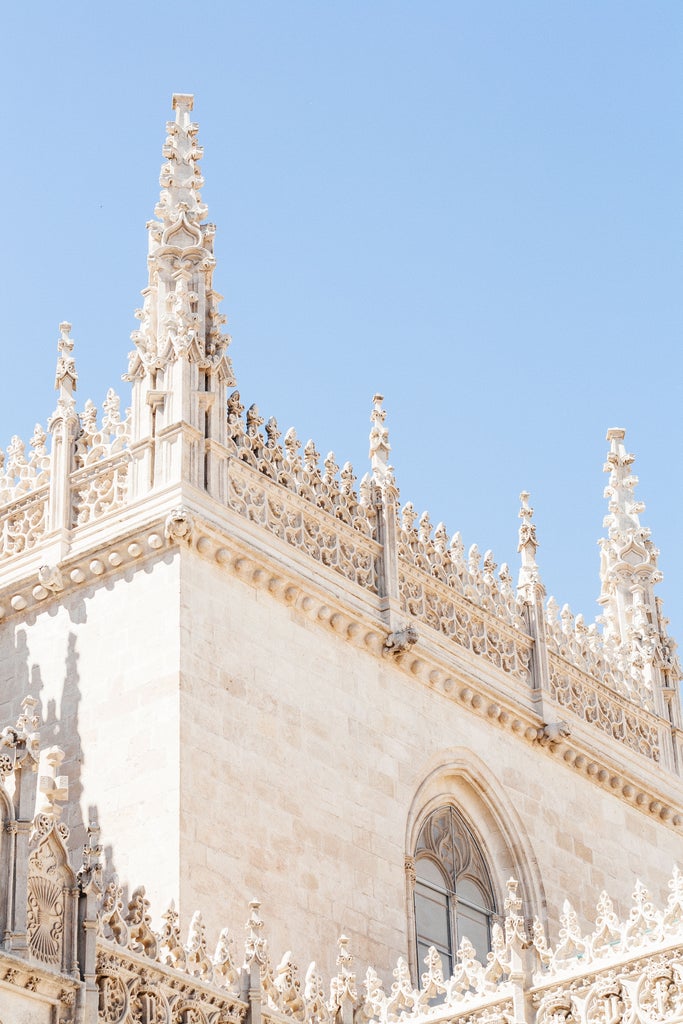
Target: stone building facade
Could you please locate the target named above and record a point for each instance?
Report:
(259, 676)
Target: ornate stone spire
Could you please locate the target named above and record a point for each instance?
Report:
(382, 472)
(179, 367)
(63, 426)
(529, 578)
(180, 314)
(628, 566)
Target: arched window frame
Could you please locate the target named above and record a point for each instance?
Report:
(465, 854)
(458, 776)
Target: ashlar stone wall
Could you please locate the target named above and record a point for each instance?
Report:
(307, 765)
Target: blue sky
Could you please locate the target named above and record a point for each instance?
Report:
(474, 208)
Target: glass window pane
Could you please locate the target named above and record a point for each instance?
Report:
(431, 917)
(470, 891)
(429, 871)
(475, 925)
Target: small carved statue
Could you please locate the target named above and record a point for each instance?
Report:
(552, 732)
(401, 640)
(178, 525)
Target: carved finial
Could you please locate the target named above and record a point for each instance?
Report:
(256, 946)
(343, 988)
(90, 874)
(382, 472)
(20, 743)
(28, 725)
(182, 103)
(527, 529)
(66, 377)
(529, 583)
(54, 788)
(514, 922)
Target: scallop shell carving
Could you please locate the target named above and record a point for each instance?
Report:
(45, 919)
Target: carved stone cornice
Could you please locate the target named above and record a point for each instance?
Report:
(55, 988)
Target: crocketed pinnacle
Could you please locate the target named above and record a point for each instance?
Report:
(382, 472)
(179, 317)
(628, 569)
(181, 179)
(529, 577)
(66, 379)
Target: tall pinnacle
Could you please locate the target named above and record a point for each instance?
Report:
(179, 317)
(179, 367)
(529, 582)
(628, 569)
(379, 442)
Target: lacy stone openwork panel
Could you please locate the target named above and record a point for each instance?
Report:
(601, 706)
(435, 604)
(99, 489)
(294, 521)
(23, 523)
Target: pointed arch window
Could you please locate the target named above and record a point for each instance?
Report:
(454, 896)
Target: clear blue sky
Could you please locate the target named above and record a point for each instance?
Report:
(474, 207)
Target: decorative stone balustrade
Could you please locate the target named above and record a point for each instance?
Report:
(435, 604)
(443, 558)
(20, 475)
(587, 650)
(621, 970)
(598, 704)
(459, 597)
(95, 471)
(326, 488)
(23, 523)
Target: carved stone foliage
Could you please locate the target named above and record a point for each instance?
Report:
(432, 602)
(294, 520)
(597, 704)
(113, 998)
(132, 990)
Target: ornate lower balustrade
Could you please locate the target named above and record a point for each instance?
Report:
(603, 707)
(629, 970)
(299, 523)
(437, 605)
(132, 990)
